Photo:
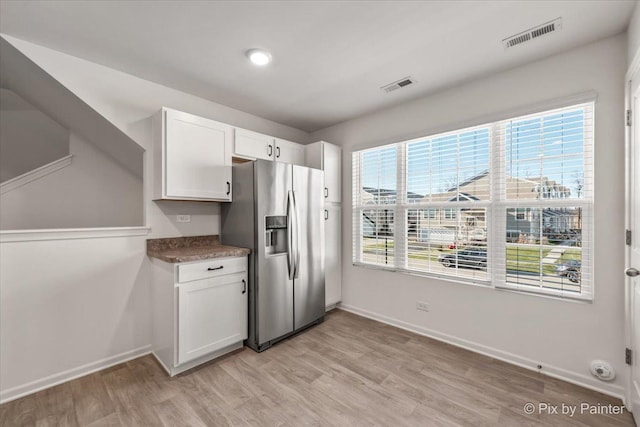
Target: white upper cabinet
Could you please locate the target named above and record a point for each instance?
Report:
(192, 157)
(332, 166)
(327, 157)
(254, 145)
(289, 152)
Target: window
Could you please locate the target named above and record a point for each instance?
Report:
(429, 213)
(450, 213)
(377, 199)
(508, 203)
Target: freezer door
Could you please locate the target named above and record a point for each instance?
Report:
(274, 290)
(308, 290)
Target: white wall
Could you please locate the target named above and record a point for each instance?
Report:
(70, 306)
(94, 191)
(563, 336)
(633, 35)
(28, 138)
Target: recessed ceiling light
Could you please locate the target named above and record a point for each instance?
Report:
(259, 56)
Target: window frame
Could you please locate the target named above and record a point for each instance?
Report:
(496, 206)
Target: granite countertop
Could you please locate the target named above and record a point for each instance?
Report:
(194, 248)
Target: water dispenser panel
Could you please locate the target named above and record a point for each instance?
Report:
(275, 234)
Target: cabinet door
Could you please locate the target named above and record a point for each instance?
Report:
(332, 166)
(212, 314)
(254, 145)
(289, 152)
(197, 157)
(332, 251)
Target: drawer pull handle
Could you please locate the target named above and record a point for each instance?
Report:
(215, 268)
(270, 150)
(326, 192)
(228, 188)
(244, 286)
(278, 150)
(326, 214)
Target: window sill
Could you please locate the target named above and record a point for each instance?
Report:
(443, 277)
(482, 284)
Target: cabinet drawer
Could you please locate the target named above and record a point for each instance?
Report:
(211, 268)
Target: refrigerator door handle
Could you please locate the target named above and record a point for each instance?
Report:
(290, 226)
(296, 237)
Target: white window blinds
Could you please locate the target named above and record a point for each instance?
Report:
(448, 192)
(544, 202)
(507, 203)
(375, 197)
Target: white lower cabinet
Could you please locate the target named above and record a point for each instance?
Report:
(199, 311)
(332, 254)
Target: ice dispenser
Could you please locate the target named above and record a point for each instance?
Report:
(275, 234)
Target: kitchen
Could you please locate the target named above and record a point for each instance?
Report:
(87, 306)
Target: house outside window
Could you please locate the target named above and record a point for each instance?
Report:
(518, 191)
(429, 213)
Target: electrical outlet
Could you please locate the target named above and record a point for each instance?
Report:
(183, 218)
(422, 306)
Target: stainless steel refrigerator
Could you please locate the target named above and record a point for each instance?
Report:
(277, 211)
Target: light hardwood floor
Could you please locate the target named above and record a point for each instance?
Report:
(347, 371)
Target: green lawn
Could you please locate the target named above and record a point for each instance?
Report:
(527, 259)
(523, 258)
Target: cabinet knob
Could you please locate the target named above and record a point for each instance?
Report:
(244, 286)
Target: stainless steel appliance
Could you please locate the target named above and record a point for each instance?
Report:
(277, 211)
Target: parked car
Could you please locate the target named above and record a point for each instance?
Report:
(469, 258)
(571, 269)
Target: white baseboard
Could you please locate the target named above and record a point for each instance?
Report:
(514, 359)
(71, 374)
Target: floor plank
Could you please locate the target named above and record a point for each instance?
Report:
(347, 371)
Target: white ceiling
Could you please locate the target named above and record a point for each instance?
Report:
(330, 57)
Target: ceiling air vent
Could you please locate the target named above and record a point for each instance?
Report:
(533, 33)
(398, 84)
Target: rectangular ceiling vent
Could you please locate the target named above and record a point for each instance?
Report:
(398, 84)
(533, 33)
